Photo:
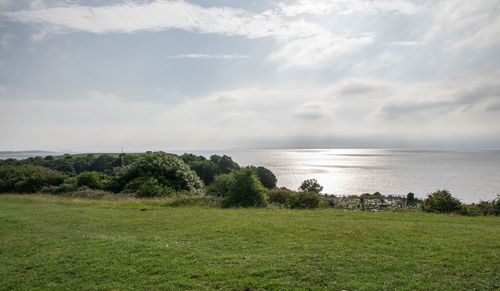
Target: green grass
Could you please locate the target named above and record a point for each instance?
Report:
(48, 242)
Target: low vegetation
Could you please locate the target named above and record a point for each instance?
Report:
(159, 174)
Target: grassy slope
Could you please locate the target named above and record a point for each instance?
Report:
(50, 242)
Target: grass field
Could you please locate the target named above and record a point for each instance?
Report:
(48, 242)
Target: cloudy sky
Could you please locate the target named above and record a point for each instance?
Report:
(220, 74)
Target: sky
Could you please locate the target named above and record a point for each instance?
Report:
(219, 74)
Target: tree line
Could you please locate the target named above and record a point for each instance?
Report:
(160, 174)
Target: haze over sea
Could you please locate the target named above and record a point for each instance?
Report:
(471, 175)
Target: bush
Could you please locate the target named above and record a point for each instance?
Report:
(246, 190)
(150, 188)
(168, 170)
(311, 185)
(305, 200)
(280, 196)
(489, 207)
(221, 185)
(28, 179)
(442, 202)
(93, 180)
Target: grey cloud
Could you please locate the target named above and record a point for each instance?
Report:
(310, 111)
(358, 87)
(470, 96)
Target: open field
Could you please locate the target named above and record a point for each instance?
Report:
(48, 242)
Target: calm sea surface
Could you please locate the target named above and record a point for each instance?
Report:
(469, 175)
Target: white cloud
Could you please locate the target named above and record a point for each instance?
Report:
(406, 43)
(162, 15)
(209, 57)
(345, 7)
(318, 51)
(302, 43)
(353, 107)
(463, 24)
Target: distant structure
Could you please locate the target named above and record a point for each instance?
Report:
(121, 156)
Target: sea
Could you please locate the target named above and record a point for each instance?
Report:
(470, 175)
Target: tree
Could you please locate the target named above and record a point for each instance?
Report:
(224, 164)
(102, 163)
(441, 201)
(246, 190)
(410, 198)
(311, 185)
(266, 177)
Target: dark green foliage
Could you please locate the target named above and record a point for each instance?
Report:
(311, 185)
(410, 199)
(221, 185)
(205, 169)
(441, 201)
(305, 200)
(167, 169)
(103, 163)
(224, 164)
(28, 179)
(64, 165)
(266, 177)
(150, 188)
(93, 180)
(208, 169)
(246, 190)
(490, 207)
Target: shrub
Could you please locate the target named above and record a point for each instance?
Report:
(305, 200)
(311, 185)
(246, 190)
(280, 196)
(150, 188)
(28, 179)
(93, 180)
(221, 185)
(489, 207)
(441, 201)
(167, 169)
